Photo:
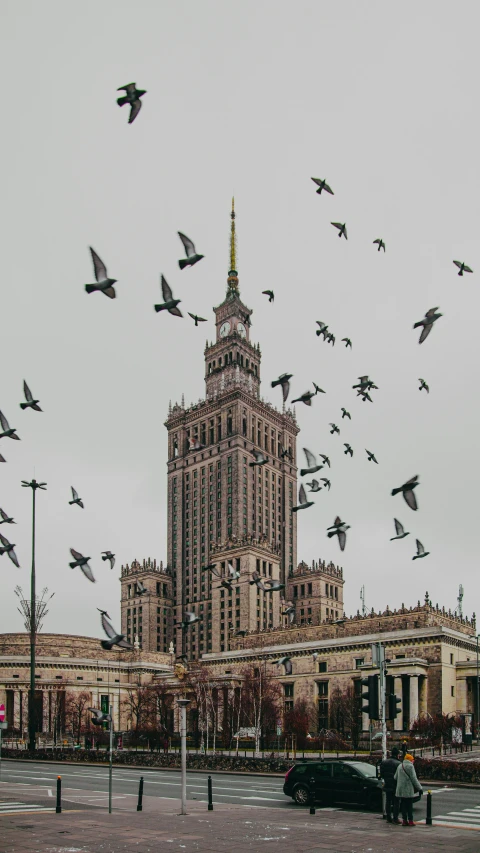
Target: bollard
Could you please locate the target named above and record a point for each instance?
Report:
(140, 795)
(58, 808)
(210, 799)
(312, 796)
(428, 820)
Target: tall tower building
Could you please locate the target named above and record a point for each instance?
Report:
(221, 509)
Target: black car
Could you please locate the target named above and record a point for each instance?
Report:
(334, 782)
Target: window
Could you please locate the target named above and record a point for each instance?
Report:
(288, 690)
(452, 691)
(322, 666)
(322, 705)
(451, 661)
(359, 662)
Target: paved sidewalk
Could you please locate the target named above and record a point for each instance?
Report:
(228, 829)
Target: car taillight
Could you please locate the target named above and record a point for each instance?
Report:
(287, 774)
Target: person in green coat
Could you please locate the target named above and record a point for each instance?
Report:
(407, 786)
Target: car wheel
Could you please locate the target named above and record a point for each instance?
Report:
(301, 796)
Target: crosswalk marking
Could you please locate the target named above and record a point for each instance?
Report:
(468, 818)
(16, 808)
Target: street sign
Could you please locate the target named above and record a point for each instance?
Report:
(2, 713)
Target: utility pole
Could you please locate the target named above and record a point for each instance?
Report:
(33, 624)
(110, 764)
(182, 703)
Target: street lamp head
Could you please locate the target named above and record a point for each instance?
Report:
(183, 702)
(34, 485)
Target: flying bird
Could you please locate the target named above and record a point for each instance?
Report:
(192, 256)
(76, 499)
(348, 449)
(381, 244)
(284, 381)
(114, 638)
(427, 323)
(170, 304)
(2, 458)
(184, 659)
(260, 459)
(8, 548)
(461, 269)
(99, 717)
(346, 414)
(318, 390)
(306, 398)
(31, 403)
(325, 458)
(334, 429)
(322, 330)
(274, 586)
(211, 568)
(400, 530)
(197, 318)
(303, 503)
(286, 453)
(407, 491)
(132, 96)
(189, 619)
(286, 663)
(423, 385)
(322, 185)
(270, 294)
(365, 396)
(7, 431)
(194, 444)
(348, 343)
(314, 486)
(327, 482)
(103, 283)
(234, 573)
(420, 551)
(339, 528)
(240, 633)
(290, 612)
(227, 585)
(256, 579)
(82, 563)
(141, 588)
(6, 519)
(330, 339)
(342, 229)
(370, 456)
(312, 463)
(364, 383)
(315, 655)
(109, 556)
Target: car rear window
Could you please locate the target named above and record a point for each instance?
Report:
(365, 769)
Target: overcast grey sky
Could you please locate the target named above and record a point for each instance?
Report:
(250, 98)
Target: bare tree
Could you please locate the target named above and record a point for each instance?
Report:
(345, 713)
(299, 720)
(76, 714)
(260, 702)
(138, 706)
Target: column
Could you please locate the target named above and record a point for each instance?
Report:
(398, 722)
(413, 698)
(16, 709)
(422, 694)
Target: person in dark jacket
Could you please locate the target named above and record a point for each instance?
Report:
(388, 768)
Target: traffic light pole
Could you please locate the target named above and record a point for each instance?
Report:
(383, 699)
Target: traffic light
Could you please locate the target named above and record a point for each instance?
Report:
(393, 709)
(370, 697)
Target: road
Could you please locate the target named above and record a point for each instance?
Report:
(88, 786)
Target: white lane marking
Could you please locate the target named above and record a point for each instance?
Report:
(50, 792)
(456, 824)
(454, 815)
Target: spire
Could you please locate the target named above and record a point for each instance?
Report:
(232, 281)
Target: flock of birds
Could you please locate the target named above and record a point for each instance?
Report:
(106, 285)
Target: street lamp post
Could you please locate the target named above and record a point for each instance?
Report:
(33, 485)
(182, 703)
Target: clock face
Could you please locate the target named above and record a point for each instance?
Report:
(241, 330)
(225, 329)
